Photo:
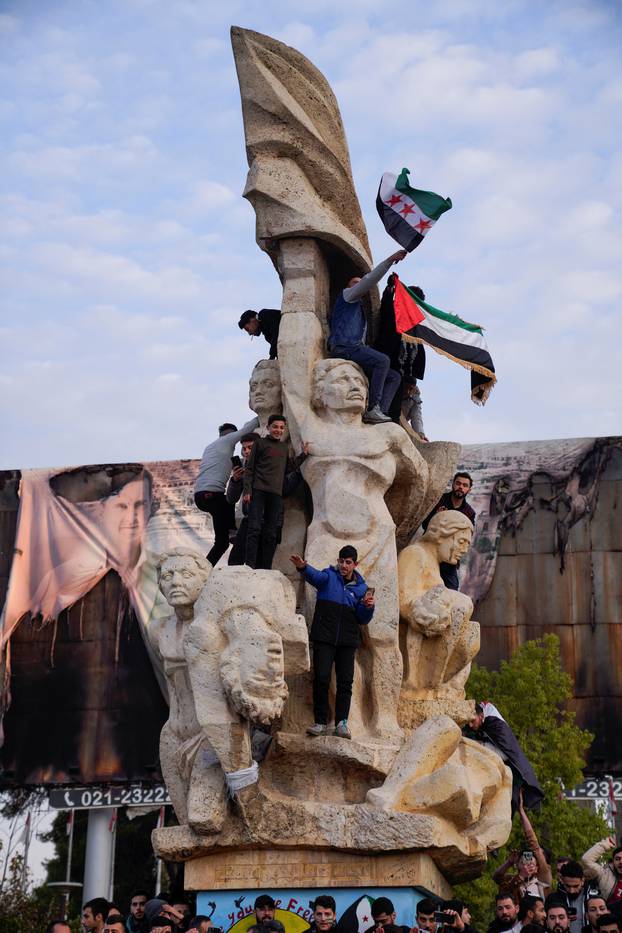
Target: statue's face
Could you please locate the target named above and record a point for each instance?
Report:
(260, 656)
(452, 548)
(181, 581)
(344, 389)
(265, 390)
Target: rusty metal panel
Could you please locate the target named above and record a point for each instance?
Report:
(499, 608)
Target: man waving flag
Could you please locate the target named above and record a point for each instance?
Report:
(408, 213)
(464, 343)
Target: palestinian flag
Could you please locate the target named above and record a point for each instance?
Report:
(464, 343)
(407, 213)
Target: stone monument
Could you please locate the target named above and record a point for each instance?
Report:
(408, 800)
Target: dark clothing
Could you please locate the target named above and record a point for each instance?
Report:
(497, 927)
(449, 575)
(324, 656)
(496, 731)
(339, 610)
(449, 572)
(267, 466)
(335, 633)
(408, 359)
(445, 503)
(578, 903)
(383, 381)
(237, 554)
(265, 520)
(223, 519)
(269, 323)
(137, 926)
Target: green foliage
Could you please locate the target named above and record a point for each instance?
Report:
(531, 691)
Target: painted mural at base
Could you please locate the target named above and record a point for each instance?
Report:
(232, 911)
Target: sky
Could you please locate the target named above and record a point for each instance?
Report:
(127, 252)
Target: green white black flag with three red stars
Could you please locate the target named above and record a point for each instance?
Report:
(408, 213)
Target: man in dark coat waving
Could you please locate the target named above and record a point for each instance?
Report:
(491, 729)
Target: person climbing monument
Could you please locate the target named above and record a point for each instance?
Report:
(344, 603)
(348, 330)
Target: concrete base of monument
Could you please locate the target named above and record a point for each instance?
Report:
(312, 868)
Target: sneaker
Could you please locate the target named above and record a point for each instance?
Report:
(375, 416)
(318, 728)
(341, 729)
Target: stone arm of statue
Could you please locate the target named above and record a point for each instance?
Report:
(410, 483)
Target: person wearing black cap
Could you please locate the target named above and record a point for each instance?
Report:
(264, 908)
(344, 603)
(266, 323)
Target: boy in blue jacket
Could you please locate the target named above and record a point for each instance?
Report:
(344, 603)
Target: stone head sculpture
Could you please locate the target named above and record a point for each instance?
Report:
(264, 395)
(451, 533)
(338, 386)
(265, 637)
(182, 574)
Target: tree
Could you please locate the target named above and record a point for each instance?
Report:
(532, 691)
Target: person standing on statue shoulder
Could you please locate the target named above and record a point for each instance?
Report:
(264, 482)
(456, 499)
(209, 489)
(348, 330)
(344, 603)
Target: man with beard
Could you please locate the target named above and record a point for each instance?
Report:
(456, 499)
(264, 909)
(557, 920)
(595, 908)
(609, 876)
(424, 917)
(136, 922)
(531, 911)
(506, 914)
(574, 893)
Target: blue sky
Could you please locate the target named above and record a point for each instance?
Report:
(127, 252)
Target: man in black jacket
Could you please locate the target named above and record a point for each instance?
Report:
(266, 323)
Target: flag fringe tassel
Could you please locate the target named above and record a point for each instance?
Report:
(484, 390)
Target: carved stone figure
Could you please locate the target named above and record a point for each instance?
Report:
(438, 637)
(190, 768)
(264, 395)
(243, 639)
(371, 487)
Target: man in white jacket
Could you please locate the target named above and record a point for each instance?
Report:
(609, 876)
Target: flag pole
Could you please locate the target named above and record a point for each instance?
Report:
(66, 895)
(160, 823)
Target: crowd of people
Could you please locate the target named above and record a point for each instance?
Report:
(587, 898)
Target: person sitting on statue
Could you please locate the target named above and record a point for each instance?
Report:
(264, 485)
(411, 408)
(344, 603)
(455, 500)
(266, 323)
(348, 329)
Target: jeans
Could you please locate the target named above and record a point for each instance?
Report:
(223, 520)
(383, 381)
(265, 519)
(324, 656)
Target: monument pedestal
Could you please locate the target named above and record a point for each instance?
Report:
(324, 869)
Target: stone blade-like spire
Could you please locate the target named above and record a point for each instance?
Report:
(300, 179)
